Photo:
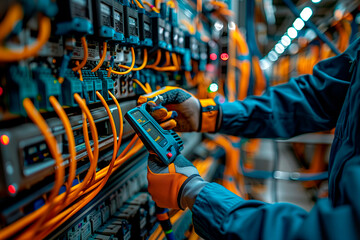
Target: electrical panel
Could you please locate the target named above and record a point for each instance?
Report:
(78, 66)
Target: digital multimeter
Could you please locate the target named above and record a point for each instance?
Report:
(166, 144)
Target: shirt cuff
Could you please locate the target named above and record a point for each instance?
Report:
(211, 205)
(233, 117)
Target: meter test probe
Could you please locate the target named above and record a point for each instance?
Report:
(166, 144)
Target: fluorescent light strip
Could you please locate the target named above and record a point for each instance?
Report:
(290, 34)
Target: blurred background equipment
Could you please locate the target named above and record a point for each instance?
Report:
(71, 167)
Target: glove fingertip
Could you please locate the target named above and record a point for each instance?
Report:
(159, 114)
(168, 124)
(174, 114)
(142, 100)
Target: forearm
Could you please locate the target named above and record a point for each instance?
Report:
(307, 103)
(220, 214)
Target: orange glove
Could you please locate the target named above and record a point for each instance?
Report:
(174, 186)
(191, 114)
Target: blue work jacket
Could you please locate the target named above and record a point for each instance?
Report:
(329, 98)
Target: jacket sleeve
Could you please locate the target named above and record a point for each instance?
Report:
(220, 214)
(308, 103)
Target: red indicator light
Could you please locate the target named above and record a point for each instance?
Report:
(224, 56)
(12, 189)
(1, 91)
(169, 155)
(4, 139)
(213, 56)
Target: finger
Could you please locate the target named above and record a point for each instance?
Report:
(159, 114)
(168, 124)
(170, 95)
(144, 98)
(169, 115)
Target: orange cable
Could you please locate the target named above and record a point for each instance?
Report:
(131, 67)
(102, 59)
(121, 122)
(141, 85)
(167, 59)
(94, 133)
(152, 7)
(148, 87)
(50, 140)
(157, 60)
(79, 205)
(86, 54)
(79, 71)
(13, 15)
(138, 4)
(71, 142)
(142, 65)
(175, 61)
(7, 55)
(112, 124)
(171, 4)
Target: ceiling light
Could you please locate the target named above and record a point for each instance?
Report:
(272, 56)
(306, 13)
(264, 64)
(218, 25)
(316, 1)
(292, 32)
(279, 48)
(298, 24)
(285, 40)
(294, 48)
(310, 35)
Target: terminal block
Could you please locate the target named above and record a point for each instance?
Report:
(107, 84)
(20, 86)
(117, 228)
(102, 237)
(95, 219)
(90, 78)
(81, 230)
(144, 201)
(48, 86)
(136, 216)
(75, 17)
(70, 86)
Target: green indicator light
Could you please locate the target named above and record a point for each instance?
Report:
(213, 87)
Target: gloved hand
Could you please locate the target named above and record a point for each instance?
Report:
(174, 108)
(174, 186)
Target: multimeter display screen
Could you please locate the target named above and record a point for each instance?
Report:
(155, 134)
(140, 118)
